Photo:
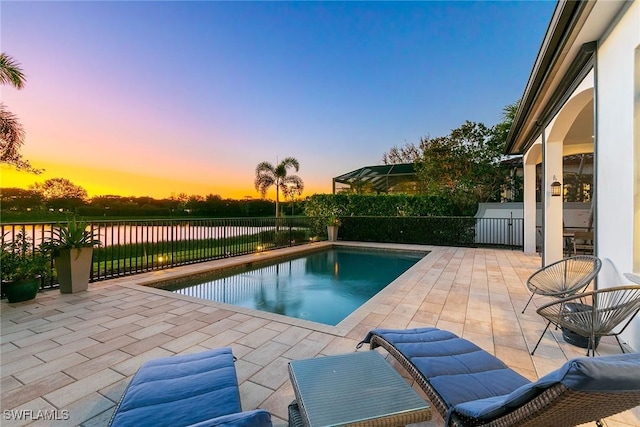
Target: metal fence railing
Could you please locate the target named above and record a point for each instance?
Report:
(131, 247)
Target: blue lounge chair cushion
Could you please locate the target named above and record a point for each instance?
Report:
(258, 417)
(457, 369)
(617, 374)
(184, 390)
(475, 384)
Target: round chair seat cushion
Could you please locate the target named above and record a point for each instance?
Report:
(572, 337)
(577, 340)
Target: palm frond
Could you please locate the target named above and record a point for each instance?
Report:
(11, 133)
(292, 183)
(11, 139)
(265, 167)
(263, 182)
(10, 72)
(291, 162)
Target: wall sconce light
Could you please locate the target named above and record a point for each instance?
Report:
(556, 187)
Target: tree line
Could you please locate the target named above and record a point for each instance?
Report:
(59, 196)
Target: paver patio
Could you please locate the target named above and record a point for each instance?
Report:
(76, 353)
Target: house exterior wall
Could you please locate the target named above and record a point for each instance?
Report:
(615, 144)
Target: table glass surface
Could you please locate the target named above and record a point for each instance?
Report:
(349, 388)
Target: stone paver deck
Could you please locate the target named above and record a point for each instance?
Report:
(75, 354)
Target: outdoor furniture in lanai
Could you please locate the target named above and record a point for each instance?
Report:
(568, 242)
(470, 387)
(583, 242)
(354, 389)
(564, 278)
(595, 314)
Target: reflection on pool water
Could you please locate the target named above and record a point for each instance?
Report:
(323, 286)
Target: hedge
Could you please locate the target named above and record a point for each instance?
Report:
(321, 207)
(440, 231)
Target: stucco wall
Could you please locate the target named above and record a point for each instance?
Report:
(614, 153)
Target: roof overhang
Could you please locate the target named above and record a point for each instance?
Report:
(565, 57)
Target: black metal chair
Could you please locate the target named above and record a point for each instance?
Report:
(564, 278)
(595, 314)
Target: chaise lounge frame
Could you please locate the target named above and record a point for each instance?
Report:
(556, 406)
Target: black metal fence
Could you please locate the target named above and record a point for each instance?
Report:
(131, 247)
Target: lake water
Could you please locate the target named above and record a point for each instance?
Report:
(141, 233)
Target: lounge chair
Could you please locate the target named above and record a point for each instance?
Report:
(470, 387)
(194, 390)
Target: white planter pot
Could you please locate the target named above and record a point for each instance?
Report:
(74, 268)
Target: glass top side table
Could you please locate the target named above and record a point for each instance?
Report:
(356, 389)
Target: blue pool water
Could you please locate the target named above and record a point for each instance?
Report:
(322, 286)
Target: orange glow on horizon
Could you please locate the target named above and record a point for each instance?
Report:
(101, 182)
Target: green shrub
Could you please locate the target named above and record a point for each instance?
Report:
(440, 231)
(323, 205)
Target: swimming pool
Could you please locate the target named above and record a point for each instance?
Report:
(323, 286)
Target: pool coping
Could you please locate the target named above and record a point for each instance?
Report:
(149, 281)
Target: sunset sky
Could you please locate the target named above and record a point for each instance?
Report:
(161, 98)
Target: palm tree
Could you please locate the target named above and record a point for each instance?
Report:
(268, 175)
(11, 131)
